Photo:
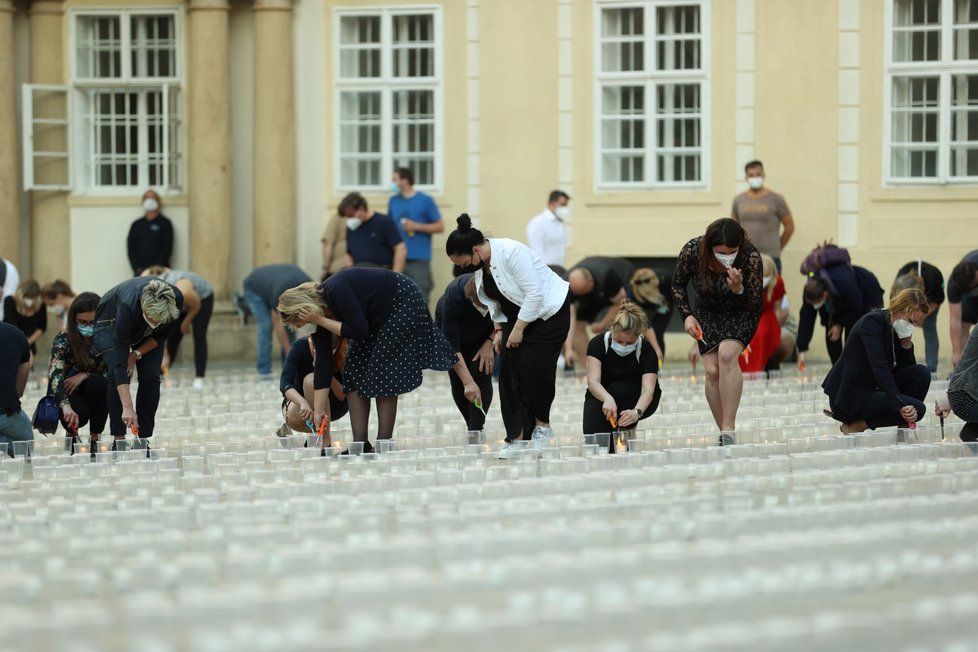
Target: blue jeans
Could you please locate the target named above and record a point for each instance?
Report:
(15, 427)
(263, 317)
(932, 343)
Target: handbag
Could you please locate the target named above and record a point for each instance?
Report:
(47, 414)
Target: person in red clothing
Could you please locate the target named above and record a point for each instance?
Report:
(767, 337)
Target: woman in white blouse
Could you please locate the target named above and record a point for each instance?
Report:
(530, 308)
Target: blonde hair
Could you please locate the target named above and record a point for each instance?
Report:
(305, 297)
(907, 281)
(29, 289)
(909, 300)
(646, 287)
(769, 268)
(630, 319)
(159, 302)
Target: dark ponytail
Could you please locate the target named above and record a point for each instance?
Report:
(464, 238)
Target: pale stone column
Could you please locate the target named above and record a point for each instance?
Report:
(9, 192)
(50, 229)
(274, 163)
(209, 143)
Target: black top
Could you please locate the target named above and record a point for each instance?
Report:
(622, 369)
(13, 353)
(871, 354)
(150, 242)
(299, 364)
(361, 298)
(129, 328)
(3, 272)
(853, 291)
(610, 276)
(954, 293)
(26, 325)
(464, 326)
(933, 280)
(270, 281)
(373, 243)
(510, 309)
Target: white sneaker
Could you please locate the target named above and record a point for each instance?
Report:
(198, 383)
(541, 437)
(510, 450)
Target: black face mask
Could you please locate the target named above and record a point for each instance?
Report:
(469, 269)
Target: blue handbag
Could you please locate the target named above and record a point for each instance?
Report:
(47, 415)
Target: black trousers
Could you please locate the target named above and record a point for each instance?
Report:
(626, 397)
(475, 419)
(912, 383)
(199, 328)
(528, 373)
(835, 348)
(147, 399)
(90, 404)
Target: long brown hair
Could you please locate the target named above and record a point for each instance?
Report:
(724, 232)
(84, 302)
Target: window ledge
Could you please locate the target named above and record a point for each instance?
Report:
(925, 193)
(654, 198)
(128, 199)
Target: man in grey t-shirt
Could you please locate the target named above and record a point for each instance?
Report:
(764, 214)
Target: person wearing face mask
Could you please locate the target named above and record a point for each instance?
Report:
(58, 297)
(839, 296)
(726, 273)
(150, 240)
(417, 216)
(530, 308)
(924, 276)
(546, 233)
(767, 338)
(26, 310)
(764, 214)
(622, 375)
(298, 393)
(372, 239)
(877, 382)
(132, 323)
(78, 377)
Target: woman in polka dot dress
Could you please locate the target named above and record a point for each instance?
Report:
(392, 339)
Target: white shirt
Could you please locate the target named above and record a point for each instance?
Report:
(9, 285)
(523, 278)
(547, 236)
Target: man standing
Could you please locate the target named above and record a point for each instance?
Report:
(764, 214)
(546, 233)
(372, 239)
(417, 217)
(597, 286)
(15, 366)
(962, 301)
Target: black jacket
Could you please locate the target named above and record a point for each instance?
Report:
(871, 354)
(464, 326)
(150, 242)
(853, 291)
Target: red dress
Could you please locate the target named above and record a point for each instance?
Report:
(767, 337)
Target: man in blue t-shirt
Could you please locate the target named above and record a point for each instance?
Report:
(372, 239)
(417, 216)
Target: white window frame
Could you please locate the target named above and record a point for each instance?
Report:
(650, 78)
(386, 84)
(82, 163)
(944, 70)
(30, 155)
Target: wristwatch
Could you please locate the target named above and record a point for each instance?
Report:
(639, 412)
(138, 354)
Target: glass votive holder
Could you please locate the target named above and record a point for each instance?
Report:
(82, 448)
(314, 441)
(193, 465)
(24, 449)
(355, 448)
(69, 442)
(600, 439)
(386, 446)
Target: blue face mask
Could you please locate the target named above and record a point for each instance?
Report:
(86, 331)
(395, 189)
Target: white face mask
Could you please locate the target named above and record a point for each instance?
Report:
(818, 306)
(767, 281)
(28, 303)
(58, 309)
(727, 260)
(149, 323)
(150, 205)
(755, 183)
(353, 223)
(903, 328)
(624, 349)
(562, 213)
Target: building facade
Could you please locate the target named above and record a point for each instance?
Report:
(252, 118)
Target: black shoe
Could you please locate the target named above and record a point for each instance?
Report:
(367, 448)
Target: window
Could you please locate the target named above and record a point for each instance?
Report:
(932, 91)
(388, 97)
(651, 95)
(126, 84)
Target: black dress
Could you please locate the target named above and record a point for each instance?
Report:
(26, 325)
(722, 314)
